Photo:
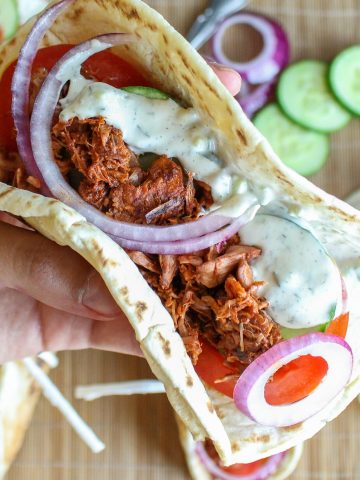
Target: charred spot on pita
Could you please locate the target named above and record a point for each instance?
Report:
(212, 89)
(3, 194)
(186, 78)
(77, 13)
(131, 14)
(235, 447)
(124, 291)
(165, 344)
(241, 136)
(152, 27)
(108, 262)
(97, 248)
(189, 381)
(140, 307)
(210, 407)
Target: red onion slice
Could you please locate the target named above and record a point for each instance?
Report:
(43, 111)
(193, 244)
(41, 120)
(344, 295)
(270, 61)
(249, 392)
(341, 304)
(252, 101)
(263, 473)
(20, 87)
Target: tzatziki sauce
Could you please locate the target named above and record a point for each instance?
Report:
(302, 282)
(29, 8)
(158, 126)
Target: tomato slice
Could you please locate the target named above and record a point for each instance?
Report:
(46, 57)
(291, 383)
(211, 368)
(339, 325)
(103, 67)
(295, 380)
(245, 468)
(299, 378)
(7, 130)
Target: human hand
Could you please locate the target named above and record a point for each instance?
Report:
(52, 299)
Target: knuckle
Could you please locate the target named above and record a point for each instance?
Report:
(31, 258)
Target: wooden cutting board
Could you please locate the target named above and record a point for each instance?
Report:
(140, 432)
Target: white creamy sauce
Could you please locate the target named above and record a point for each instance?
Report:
(238, 204)
(75, 87)
(29, 8)
(156, 126)
(303, 284)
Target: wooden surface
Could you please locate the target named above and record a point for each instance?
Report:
(140, 432)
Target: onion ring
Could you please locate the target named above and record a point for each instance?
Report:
(252, 102)
(249, 392)
(193, 244)
(263, 473)
(20, 88)
(271, 60)
(40, 125)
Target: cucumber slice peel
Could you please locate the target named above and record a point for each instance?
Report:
(9, 19)
(304, 95)
(287, 333)
(344, 78)
(148, 92)
(302, 150)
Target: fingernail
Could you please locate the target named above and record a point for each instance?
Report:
(230, 79)
(217, 66)
(223, 68)
(98, 299)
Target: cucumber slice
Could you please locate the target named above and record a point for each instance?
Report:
(287, 333)
(302, 150)
(148, 92)
(344, 78)
(9, 18)
(304, 95)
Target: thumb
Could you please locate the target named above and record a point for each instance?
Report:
(54, 275)
(229, 77)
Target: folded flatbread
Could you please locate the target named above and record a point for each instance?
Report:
(199, 472)
(172, 63)
(19, 394)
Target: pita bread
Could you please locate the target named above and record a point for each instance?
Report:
(199, 472)
(172, 64)
(19, 394)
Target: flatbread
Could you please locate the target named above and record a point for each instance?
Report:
(171, 63)
(199, 472)
(19, 394)
(153, 325)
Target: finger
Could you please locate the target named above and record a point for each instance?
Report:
(12, 220)
(76, 333)
(229, 77)
(27, 328)
(56, 276)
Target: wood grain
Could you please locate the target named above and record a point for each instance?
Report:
(140, 432)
